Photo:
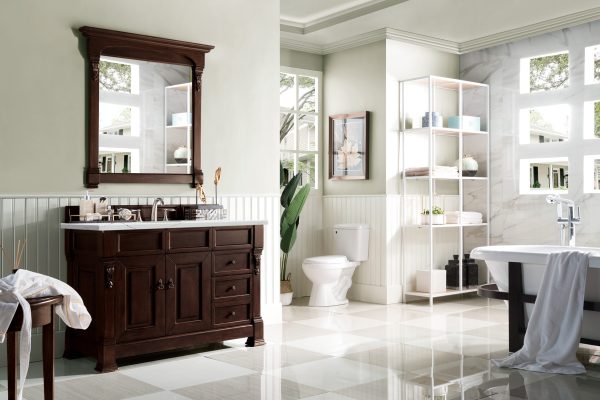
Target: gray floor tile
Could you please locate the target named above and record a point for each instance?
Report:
(114, 386)
(250, 387)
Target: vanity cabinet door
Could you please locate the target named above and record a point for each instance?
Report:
(188, 292)
(140, 297)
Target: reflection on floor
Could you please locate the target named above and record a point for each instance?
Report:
(357, 351)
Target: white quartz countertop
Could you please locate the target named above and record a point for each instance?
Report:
(179, 224)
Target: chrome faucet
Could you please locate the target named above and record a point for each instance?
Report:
(154, 215)
(567, 225)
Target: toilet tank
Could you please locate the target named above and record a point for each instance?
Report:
(352, 241)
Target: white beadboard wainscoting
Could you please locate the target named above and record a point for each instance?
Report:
(37, 219)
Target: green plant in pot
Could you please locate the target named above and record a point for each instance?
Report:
(436, 216)
(292, 202)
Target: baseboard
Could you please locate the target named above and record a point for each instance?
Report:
(272, 313)
(36, 348)
(375, 294)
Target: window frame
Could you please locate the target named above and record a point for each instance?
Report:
(317, 114)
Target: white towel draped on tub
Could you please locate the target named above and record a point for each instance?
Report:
(16, 288)
(554, 328)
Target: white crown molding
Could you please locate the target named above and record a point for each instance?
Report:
(443, 44)
(538, 28)
(336, 17)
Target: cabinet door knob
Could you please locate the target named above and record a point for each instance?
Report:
(232, 262)
(160, 285)
(170, 284)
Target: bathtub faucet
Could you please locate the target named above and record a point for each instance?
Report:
(567, 224)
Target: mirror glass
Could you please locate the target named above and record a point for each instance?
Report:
(145, 117)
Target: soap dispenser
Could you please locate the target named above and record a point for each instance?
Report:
(86, 206)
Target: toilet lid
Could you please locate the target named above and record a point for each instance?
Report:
(326, 260)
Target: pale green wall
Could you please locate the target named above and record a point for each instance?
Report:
(354, 80)
(300, 59)
(42, 89)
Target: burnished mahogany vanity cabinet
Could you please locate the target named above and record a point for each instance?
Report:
(151, 290)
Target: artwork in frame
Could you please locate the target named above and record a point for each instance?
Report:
(349, 145)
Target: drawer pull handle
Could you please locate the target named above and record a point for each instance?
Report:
(160, 285)
(232, 287)
(232, 262)
(170, 284)
(232, 314)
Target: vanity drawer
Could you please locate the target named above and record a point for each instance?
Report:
(231, 313)
(231, 287)
(136, 242)
(182, 240)
(232, 262)
(238, 237)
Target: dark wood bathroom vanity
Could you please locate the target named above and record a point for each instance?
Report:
(156, 286)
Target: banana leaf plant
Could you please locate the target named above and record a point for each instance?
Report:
(292, 204)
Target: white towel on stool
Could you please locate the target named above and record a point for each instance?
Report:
(23, 284)
(554, 329)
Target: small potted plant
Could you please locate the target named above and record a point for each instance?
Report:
(436, 216)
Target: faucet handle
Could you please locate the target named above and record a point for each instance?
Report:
(166, 213)
(577, 216)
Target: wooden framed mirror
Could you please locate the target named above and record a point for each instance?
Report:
(144, 99)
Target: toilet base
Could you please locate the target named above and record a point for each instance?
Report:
(332, 294)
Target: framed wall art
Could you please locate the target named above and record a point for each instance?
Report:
(348, 146)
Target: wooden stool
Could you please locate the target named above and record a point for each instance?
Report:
(42, 314)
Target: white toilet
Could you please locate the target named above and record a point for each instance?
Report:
(331, 276)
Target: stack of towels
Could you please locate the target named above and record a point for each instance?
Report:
(466, 217)
(438, 171)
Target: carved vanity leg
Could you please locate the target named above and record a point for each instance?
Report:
(107, 361)
(258, 338)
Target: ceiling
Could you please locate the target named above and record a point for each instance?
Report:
(457, 26)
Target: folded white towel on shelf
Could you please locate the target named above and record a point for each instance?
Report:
(467, 217)
(438, 171)
(554, 328)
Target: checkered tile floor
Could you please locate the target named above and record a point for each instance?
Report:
(357, 351)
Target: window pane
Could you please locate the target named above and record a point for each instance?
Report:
(287, 91)
(545, 124)
(307, 133)
(592, 65)
(549, 72)
(287, 131)
(307, 93)
(288, 165)
(118, 120)
(115, 77)
(546, 176)
(307, 165)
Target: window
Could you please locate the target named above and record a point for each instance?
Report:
(299, 124)
(545, 124)
(544, 73)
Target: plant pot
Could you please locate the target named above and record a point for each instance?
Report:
(437, 219)
(286, 292)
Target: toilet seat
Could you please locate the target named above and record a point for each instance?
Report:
(326, 260)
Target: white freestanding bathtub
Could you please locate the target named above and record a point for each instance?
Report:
(533, 259)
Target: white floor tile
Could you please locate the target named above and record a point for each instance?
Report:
(333, 374)
(337, 344)
(448, 323)
(342, 322)
(188, 372)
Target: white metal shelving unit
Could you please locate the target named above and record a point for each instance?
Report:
(178, 99)
(448, 97)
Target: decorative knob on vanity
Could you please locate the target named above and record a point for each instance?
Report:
(160, 285)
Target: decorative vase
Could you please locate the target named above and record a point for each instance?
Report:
(181, 155)
(286, 292)
(469, 165)
(436, 219)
